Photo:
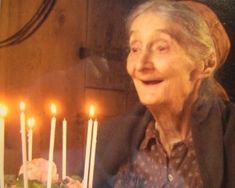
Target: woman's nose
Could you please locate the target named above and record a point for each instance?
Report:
(145, 62)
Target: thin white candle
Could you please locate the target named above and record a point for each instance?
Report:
(51, 147)
(30, 144)
(93, 152)
(88, 147)
(3, 112)
(64, 149)
(2, 128)
(23, 144)
(87, 156)
(31, 122)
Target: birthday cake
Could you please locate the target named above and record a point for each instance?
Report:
(37, 171)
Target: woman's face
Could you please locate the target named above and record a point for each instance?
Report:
(161, 70)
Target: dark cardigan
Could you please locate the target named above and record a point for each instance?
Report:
(213, 131)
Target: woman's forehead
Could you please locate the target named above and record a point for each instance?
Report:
(157, 33)
(155, 26)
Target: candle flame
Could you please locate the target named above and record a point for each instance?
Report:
(91, 111)
(3, 110)
(22, 106)
(31, 122)
(53, 109)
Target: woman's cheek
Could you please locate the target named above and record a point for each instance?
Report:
(130, 65)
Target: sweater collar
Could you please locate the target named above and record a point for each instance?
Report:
(207, 133)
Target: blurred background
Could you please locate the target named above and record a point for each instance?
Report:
(72, 52)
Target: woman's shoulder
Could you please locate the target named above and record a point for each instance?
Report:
(229, 114)
(115, 138)
(121, 125)
(229, 109)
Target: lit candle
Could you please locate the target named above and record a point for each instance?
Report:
(93, 152)
(3, 112)
(51, 147)
(64, 149)
(88, 147)
(23, 143)
(31, 123)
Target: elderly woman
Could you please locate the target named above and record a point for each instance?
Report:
(183, 133)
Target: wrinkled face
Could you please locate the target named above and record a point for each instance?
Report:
(159, 66)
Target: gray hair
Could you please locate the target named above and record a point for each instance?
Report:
(192, 32)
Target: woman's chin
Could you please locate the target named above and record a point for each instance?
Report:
(150, 101)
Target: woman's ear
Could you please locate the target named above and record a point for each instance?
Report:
(209, 66)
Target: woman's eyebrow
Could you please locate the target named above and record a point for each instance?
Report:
(133, 42)
(131, 33)
(167, 32)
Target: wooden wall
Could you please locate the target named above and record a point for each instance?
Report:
(48, 67)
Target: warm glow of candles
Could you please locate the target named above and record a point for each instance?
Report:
(30, 123)
(53, 109)
(22, 106)
(91, 111)
(3, 110)
(23, 142)
(3, 113)
(51, 147)
(90, 149)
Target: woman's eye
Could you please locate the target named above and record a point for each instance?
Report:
(162, 48)
(134, 49)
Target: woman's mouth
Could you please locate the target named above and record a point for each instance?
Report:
(151, 82)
